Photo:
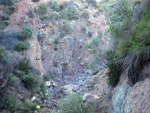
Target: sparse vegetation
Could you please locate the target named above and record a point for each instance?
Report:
(43, 17)
(94, 47)
(3, 55)
(22, 45)
(42, 9)
(74, 104)
(133, 36)
(49, 76)
(26, 31)
(55, 6)
(64, 29)
(9, 102)
(10, 10)
(35, 0)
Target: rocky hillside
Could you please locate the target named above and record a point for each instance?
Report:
(74, 56)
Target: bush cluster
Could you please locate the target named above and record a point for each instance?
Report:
(74, 104)
(55, 6)
(22, 45)
(48, 77)
(132, 36)
(26, 31)
(17, 73)
(65, 29)
(93, 45)
(42, 9)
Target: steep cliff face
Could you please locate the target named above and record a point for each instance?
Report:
(131, 99)
(121, 99)
(19, 19)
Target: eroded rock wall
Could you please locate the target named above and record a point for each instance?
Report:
(121, 99)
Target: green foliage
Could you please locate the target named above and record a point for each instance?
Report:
(113, 74)
(93, 42)
(3, 55)
(71, 13)
(30, 81)
(114, 68)
(26, 73)
(121, 19)
(74, 104)
(93, 45)
(48, 76)
(22, 45)
(94, 61)
(42, 9)
(35, 0)
(26, 31)
(43, 17)
(138, 40)
(65, 29)
(8, 102)
(27, 107)
(55, 6)
(24, 65)
(10, 10)
(13, 80)
(134, 38)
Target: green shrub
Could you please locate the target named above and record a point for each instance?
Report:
(48, 76)
(24, 65)
(35, 0)
(74, 104)
(93, 44)
(3, 55)
(135, 36)
(31, 82)
(114, 67)
(55, 6)
(95, 60)
(42, 9)
(26, 31)
(65, 29)
(30, 13)
(13, 80)
(138, 40)
(55, 15)
(10, 10)
(22, 45)
(27, 107)
(71, 13)
(43, 17)
(113, 74)
(41, 36)
(121, 19)
(9, 102)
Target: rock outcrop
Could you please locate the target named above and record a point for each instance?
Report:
(121, 99)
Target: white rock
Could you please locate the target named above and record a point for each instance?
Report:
(90, 96)
(38, 107)
(69, 88)
(49, 83)
(33, 98)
